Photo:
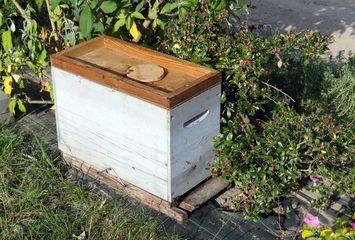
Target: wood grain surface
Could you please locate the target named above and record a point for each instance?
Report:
(127, 189)
(146, 72)
(203, 193)
(103, 59)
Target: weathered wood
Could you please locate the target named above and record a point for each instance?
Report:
(101, 59)
(156, 135)
(112, 130)
(203, 193)
(193, 125)
(146, 72)
(224, 200)
(165, 152)
(127, 189)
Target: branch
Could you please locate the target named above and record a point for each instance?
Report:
(39, 102)
(279, 90)
(20, 9)
(54, 29)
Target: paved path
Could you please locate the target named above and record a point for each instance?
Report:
(335, 17)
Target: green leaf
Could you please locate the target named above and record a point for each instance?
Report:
(42, 56)
(54, 3)
(137, 15)
(243, 5)
(152, 13)
(93, 3)
(182, 12)
(39, 4)
(129, 22)
(6, 40)
(21, 106)
(109, 21)
(168, 8)
(160, 23)
(31, 66)
(220, 5)
(1, 20)
(108, 6)
(22, 84)
(188, 3)
(156, 4)
(119, 24)
(70, 37)
(99, 28)
(155, 23)
(229, 136)
(139, 6)
(12, 105)
(86, 21)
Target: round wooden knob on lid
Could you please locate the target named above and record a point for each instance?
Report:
(146, 72)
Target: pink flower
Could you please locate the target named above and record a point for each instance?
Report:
(211, 48)
(245, 63)
(312, 221)
(315, 180)
(353, 225)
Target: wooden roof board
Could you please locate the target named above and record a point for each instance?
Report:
(105, 59)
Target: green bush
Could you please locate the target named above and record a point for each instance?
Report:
(342, 90)
(270, 143)
(329, 87)
(268, 160)
(249, 63)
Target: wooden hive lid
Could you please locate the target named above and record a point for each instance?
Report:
(120, 65)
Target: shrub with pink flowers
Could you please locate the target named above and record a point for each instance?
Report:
(277, 135)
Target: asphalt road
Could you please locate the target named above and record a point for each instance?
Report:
(335, 17)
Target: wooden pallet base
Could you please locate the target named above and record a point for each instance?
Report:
(178, 211)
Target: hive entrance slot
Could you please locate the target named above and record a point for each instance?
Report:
(196, 119)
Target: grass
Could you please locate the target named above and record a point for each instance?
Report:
(38, 201)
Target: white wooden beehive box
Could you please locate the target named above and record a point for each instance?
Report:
(156, 135)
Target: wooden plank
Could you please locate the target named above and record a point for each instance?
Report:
(127, 189)
(191, 141)
(156, 57)
(111, 80)
(224, 200)
(182, 80)
(202, 84)
(82, 47)
(203, 193)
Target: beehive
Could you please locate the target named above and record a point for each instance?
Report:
(149, 125)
